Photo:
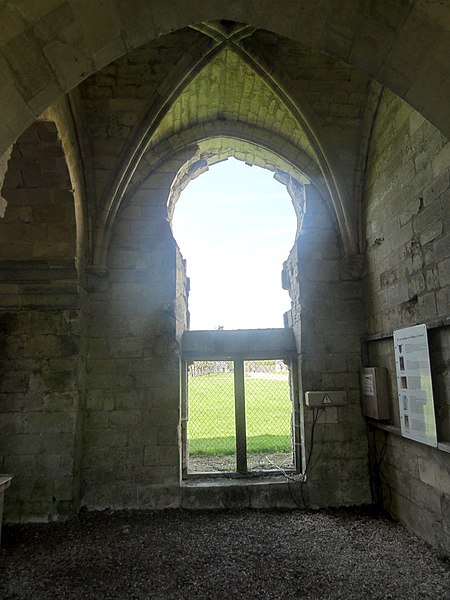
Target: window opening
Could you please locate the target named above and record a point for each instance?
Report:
(211, 428)
(240, 417)
(235, 226)
(269, 415)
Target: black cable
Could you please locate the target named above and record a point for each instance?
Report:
(379, 462)
(311, 441)
(374, 478)
(378, 474)
(305, 503)
(316, 458)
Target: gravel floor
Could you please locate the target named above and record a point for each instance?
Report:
(219, 555)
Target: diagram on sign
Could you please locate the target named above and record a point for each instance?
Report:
(415, 391)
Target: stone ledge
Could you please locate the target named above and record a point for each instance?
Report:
(443, 321)
(37, 270)
(443, 446)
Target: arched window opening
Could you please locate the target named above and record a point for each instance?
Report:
(235, 226)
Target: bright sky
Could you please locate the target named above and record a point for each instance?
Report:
(235, 225)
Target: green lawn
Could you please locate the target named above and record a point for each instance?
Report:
(211, 415)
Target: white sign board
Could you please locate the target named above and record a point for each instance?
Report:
(415, 392)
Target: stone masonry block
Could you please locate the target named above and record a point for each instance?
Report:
(142, 435)
(56, 442)
(411, 208)
(443, 479)
(427, 472)
(432, 232)
(325, 362)
(21, 444)
(110, 381)
(160, 456)
(11, 423)
(443, 300)
(444, 272)
(109, 438)
(164, 417)
(167, 437)
(425, 496)
(99, 400)
(63, 401)
(441, 248)
(129, 400)
(423, 158)
(132, 346)
(340, 380)
(96, 419)
(123, 418)
(427, 217)
(444, 530)
(436, 188)
(63, 58)
(98, 21)
(14, 382)
(442, 159)
(322, 270)
(402, 236)
(50, 422)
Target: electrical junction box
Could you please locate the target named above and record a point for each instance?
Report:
(325, 398)
(375, 402)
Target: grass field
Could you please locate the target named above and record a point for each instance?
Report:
(211, 426)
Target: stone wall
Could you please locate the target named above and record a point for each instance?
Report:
(182, 296)
(407, 212)
(40, 381)
(439, 344)
(132, 447)
(127, 436)
(328, 323)
(137, 309)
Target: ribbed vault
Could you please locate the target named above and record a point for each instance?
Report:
(230, 95)
(228, 89)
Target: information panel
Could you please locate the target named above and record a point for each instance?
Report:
(415, 392)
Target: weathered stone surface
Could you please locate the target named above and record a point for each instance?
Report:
(414, 472)
(90, 374)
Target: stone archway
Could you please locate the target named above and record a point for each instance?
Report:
(39, 222)
(41, 325)
(390, 43)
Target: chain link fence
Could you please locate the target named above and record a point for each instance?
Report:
(211, 417)
(268, 415)
(211, 430)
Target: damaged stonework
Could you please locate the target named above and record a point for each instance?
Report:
(3, 168)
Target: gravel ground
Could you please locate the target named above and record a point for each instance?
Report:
(219, 555)
(207, 463)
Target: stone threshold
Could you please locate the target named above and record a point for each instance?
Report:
(218, 480)
(235, 493)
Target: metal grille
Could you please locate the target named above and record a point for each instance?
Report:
(268, 415)
(211, 423)
(243, 405)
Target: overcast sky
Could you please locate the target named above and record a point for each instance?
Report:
(235, 226)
